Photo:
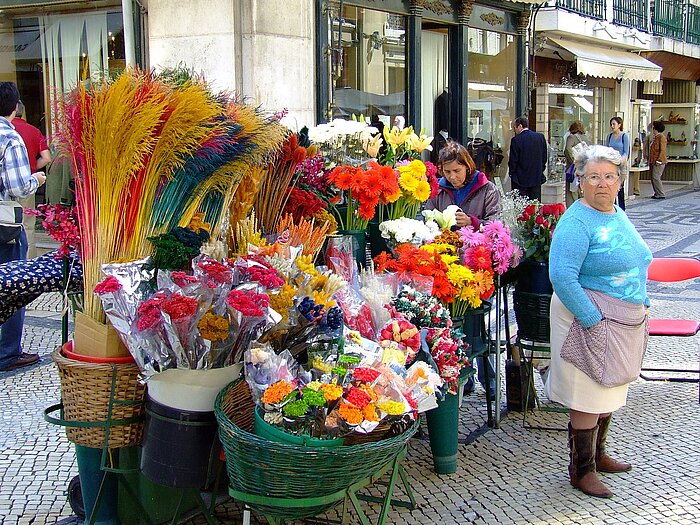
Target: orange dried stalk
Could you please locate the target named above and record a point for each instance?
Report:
(306, 233)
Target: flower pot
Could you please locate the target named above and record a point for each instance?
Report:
(91, 477)
(533, 277)
(177, 445)
(278, 435)
(377, 243)
(443, 426)
(359, 245)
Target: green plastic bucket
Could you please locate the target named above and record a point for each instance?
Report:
(91, 477)
(443, 425)
(274, 433)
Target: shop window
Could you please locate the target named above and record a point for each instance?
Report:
(48, 55)
(567, 104)
(491, 98)
(369, 65)
(435, 110)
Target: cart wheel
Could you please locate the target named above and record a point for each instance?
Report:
(75, 498)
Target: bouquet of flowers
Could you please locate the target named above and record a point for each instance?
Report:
(364, 190)
(412, 231)
(450, 355)
(403, 144)
(420, 308)
(418, 183)
(535, 228)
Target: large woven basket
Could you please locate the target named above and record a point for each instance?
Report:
(261, 468)
(86, 390)
(532, 315)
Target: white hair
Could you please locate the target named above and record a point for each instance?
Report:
(596, 153)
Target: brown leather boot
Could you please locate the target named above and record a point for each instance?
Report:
(603, 462)
(582, 472)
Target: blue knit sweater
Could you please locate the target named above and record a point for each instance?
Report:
(598, 251)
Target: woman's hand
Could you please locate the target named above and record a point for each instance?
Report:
(463, 219)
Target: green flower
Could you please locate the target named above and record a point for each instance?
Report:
(296, 408)
(313, 398)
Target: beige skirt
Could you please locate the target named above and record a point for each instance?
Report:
(566, 384)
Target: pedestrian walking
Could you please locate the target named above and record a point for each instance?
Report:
(657, 159)
(598, 267)
(575, 143)
(620, 141)
(528, 160)
(16, 182)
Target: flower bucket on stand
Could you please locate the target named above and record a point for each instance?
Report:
(359, 245)
(443, 430)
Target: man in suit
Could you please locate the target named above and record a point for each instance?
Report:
(528, 160)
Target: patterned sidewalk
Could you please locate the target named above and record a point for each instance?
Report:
(509, 475)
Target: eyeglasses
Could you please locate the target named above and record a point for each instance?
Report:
(609, 178)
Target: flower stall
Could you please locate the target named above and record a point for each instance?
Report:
(226, 277)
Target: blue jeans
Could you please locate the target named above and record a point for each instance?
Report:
(11, 330)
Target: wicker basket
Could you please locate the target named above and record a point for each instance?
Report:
(85, 392)
(268, 470)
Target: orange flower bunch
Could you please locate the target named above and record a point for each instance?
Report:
(408, 259)
(365, 190)
(277, 391)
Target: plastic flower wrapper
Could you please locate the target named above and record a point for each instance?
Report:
(445, 219)
(149, 341)
(449, 354)
(256, 269)
(423, 382)
(378, 289)
(217, 276)
(181, 314)
(263, 367)
(250, 316)
(400, 340)
(314, 323)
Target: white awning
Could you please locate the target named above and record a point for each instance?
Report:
(604, 62)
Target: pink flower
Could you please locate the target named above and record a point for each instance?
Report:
(108, 285)
(470, 237)
(182, 279)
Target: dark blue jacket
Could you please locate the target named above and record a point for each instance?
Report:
(528, 158)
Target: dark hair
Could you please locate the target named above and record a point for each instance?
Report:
(576, 127)
(618, 120)
(9, 96)
(658, 126)
(522, 121)
(454, 151)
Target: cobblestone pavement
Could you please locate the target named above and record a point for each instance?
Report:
(509, 475)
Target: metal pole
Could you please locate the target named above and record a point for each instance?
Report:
(129, 42)
(498, 350)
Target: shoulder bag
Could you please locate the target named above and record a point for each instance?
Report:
(610, 352)
(11, 215)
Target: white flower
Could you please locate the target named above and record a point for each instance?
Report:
(445, 219)
(409, 230)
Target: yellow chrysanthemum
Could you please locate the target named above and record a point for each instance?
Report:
(305, 264)
(449, 258)
(459, 275)
(408, 182)
(422, 192)
(416, 168)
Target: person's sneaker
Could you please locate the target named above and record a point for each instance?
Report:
(24, 359)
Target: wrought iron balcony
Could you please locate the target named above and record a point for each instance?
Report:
(693, 35)
(631, 13)
(669, 19)
(590, 8)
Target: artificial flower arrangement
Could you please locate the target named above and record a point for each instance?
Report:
(535, 229)
(208, 316)
(61, 223)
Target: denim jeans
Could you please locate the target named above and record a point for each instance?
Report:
(11, 330)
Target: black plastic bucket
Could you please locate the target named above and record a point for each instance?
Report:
(177, 445)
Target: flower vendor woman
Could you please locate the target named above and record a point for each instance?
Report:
(598, 268)
(463, 185)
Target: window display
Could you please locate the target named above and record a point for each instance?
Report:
(682, 126)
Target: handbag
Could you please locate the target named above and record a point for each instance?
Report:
(571, 173)
(11, 215)
(610, 352)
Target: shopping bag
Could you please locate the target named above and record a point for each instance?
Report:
(11, 215)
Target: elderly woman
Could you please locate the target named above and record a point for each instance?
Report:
(465, 186)
(597, 259)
